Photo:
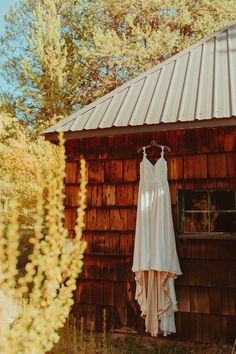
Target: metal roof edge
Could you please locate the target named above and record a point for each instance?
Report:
(114, 131)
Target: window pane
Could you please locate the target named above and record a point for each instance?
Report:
(223, 222)
(195, 200)
(223, 200)
(196, 222)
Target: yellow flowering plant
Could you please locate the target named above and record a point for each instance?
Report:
(46, 287)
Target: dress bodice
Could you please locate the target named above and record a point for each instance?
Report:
(153, 173)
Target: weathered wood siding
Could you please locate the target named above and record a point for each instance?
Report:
(200, 159)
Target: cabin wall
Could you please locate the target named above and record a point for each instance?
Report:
(206, 292)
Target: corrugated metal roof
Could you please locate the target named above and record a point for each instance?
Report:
(197, 84)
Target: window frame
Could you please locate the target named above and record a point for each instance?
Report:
(202, 234)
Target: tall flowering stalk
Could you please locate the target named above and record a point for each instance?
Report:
(46, 289)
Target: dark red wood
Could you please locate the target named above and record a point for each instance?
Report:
(206, 292)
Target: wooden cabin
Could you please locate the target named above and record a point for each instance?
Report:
(187, 102)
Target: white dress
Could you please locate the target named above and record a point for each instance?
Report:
(155, 260)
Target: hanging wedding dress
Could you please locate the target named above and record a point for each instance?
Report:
(155, 261)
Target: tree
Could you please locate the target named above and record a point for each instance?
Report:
(41, 51)
(73, 51)
(134, 36)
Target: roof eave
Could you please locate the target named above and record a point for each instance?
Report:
(94, 133)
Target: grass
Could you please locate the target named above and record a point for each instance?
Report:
(75, 340)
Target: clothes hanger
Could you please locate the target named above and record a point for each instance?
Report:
(154, 143)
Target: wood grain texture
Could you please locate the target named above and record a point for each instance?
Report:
(108, 293)
(216, 165)
(126, 244)
(114, 171)
(125, 194)
(231, 164)
(96, 195)
(118, 219)
(91, 223)
(130, 170)
(97, 297)
(103, 219)
(109, 268)
(109, 197)
(72, 196)
(175, 168)
(70, 217)
(84, 292)
(96, 172)
(195, 166)
(206, 292)
(71, 172)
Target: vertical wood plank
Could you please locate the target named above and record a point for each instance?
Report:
(109, 194)
(92, 267)
(96, 172)
(120, 294)
(195, 166)
(118, 219)
(188, 326)
(200, 300)
(219, 329)
(112, 243)
(183, 298)
(231, 164)
(114, 171)
(70, 217)
(124, 269)
(126, 244)
(98, 292)
(106, 243)
(175, 167)
(70, 172)
(124, 194)
(102, 219)
(91, 219)
(131, 222)
(231, 325)
(215, 301)
(229, 139)
(130, 170)
(109, 268)
(228, 301)
(84, 292)
(89, 238)
(96, 195)
(72, 196)
(108, 293)
(216, 165)
(136, 186)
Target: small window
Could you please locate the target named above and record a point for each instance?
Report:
(207, 211)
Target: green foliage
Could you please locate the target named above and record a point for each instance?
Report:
(41, 51)
(72, 51)
(21, 157)
(133, 36)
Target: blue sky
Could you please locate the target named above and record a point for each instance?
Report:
(4, 6)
